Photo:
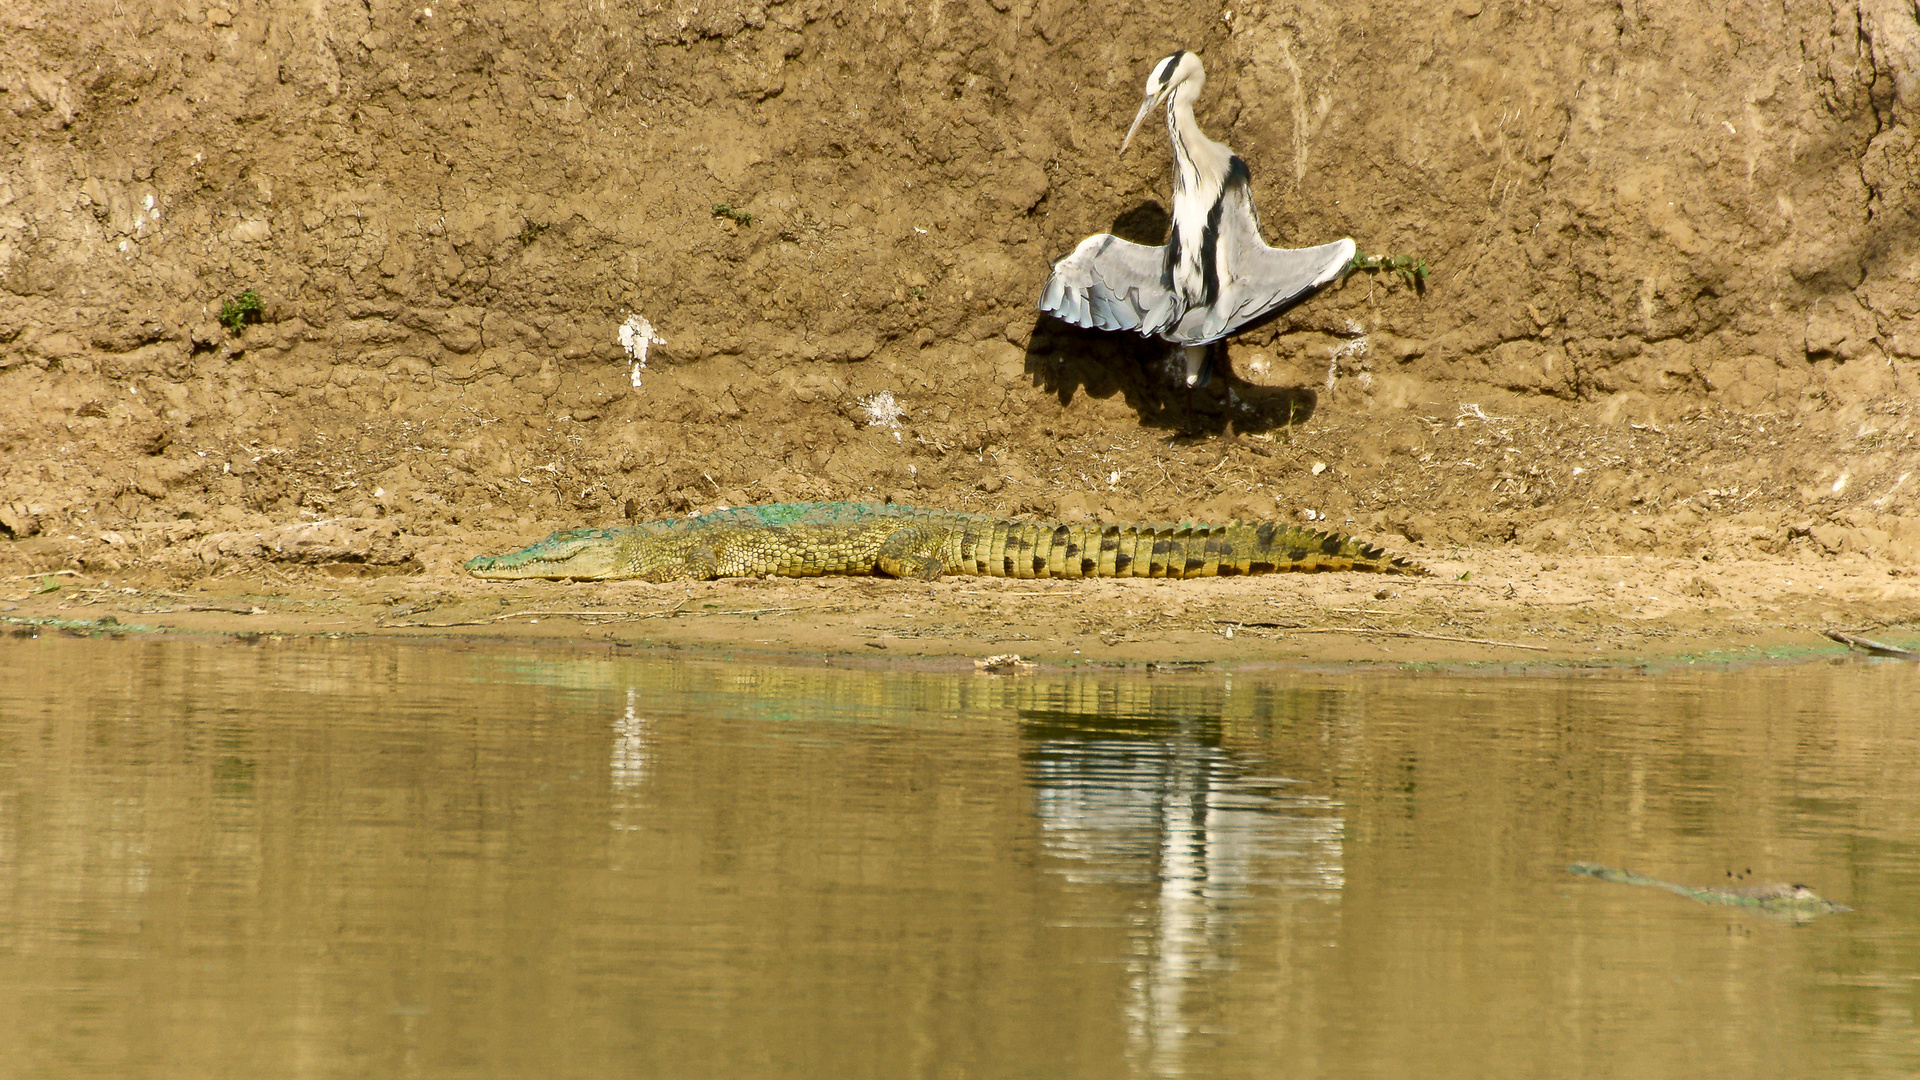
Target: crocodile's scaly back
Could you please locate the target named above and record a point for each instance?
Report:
(810, 539)
(1796, 900)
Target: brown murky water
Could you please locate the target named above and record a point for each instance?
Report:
(315, 858)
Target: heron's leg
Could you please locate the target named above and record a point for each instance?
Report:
(1199, 372)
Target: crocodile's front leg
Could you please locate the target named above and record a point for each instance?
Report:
(697, 562)
(912, 552)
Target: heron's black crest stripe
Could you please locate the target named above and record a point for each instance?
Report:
(1167, 66)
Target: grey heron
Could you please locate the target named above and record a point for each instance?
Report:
(1215, 275)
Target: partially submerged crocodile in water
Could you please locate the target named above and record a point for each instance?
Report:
(811, 539)
(1794, 901)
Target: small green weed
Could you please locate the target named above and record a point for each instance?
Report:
(1410, 270)
(240, 311)
(728, 212)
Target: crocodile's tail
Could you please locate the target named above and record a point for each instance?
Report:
(1020, 549)
(1623, 877)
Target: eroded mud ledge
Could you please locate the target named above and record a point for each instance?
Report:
(1671, 334)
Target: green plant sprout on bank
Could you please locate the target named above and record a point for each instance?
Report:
(728, 212)
(240, 311)
(1411, 270)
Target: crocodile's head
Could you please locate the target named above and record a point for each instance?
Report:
(1796, 897)
(581, 554)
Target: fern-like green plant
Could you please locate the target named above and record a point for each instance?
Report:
(1409, 269)
(240, 311)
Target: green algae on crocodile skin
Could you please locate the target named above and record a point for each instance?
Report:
(1795, 900)
(811, 539)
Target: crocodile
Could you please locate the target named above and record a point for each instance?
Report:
(812, 539)
(1795, 901)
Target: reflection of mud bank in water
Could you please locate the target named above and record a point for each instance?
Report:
(1138, 702)
(1153, 800)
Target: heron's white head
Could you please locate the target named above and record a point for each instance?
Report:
(1181, 70)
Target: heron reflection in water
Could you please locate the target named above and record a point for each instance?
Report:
(1215, 275)
(1146, 798)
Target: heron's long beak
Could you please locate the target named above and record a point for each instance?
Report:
(1146, 107)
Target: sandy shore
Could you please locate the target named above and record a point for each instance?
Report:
(1480, 607)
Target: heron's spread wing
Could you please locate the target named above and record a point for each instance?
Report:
(1112, 284)
(1256, 279)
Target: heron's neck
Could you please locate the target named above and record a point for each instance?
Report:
(1200, 164)
(1200, 170)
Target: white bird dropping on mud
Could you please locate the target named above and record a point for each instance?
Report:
(636, 337)
(1215, 275)
(884, 412)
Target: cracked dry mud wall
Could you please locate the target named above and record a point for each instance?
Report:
(1645, 211)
